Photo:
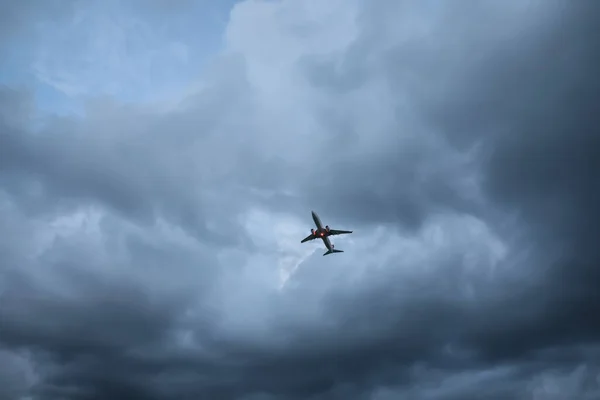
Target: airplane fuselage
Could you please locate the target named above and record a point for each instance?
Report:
(321, 232)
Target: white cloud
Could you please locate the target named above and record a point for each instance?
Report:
(583, 382)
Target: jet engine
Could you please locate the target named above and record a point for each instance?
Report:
(312, 231)
(332, 246)
(327, 228)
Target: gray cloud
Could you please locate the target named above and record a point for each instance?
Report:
(141, 246)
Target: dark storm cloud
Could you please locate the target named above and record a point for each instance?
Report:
(113, 167)
(91, 329)
(541, 163)
(530, 105)
(452, 131)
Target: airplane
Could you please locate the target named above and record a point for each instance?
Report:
(323, 233)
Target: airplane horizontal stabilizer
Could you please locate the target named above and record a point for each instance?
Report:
(333, 251)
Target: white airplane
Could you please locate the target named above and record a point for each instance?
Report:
(324, 233)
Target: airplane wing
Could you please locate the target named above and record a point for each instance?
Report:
(338, 232)
(309, 237)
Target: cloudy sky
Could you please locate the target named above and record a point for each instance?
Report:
(159, 161)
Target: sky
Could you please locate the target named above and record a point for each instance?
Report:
(159, 161)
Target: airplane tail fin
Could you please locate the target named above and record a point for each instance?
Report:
(333, 251)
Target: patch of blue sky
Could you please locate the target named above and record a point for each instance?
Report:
(120, 49)
(14, 69)
(16, 72)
